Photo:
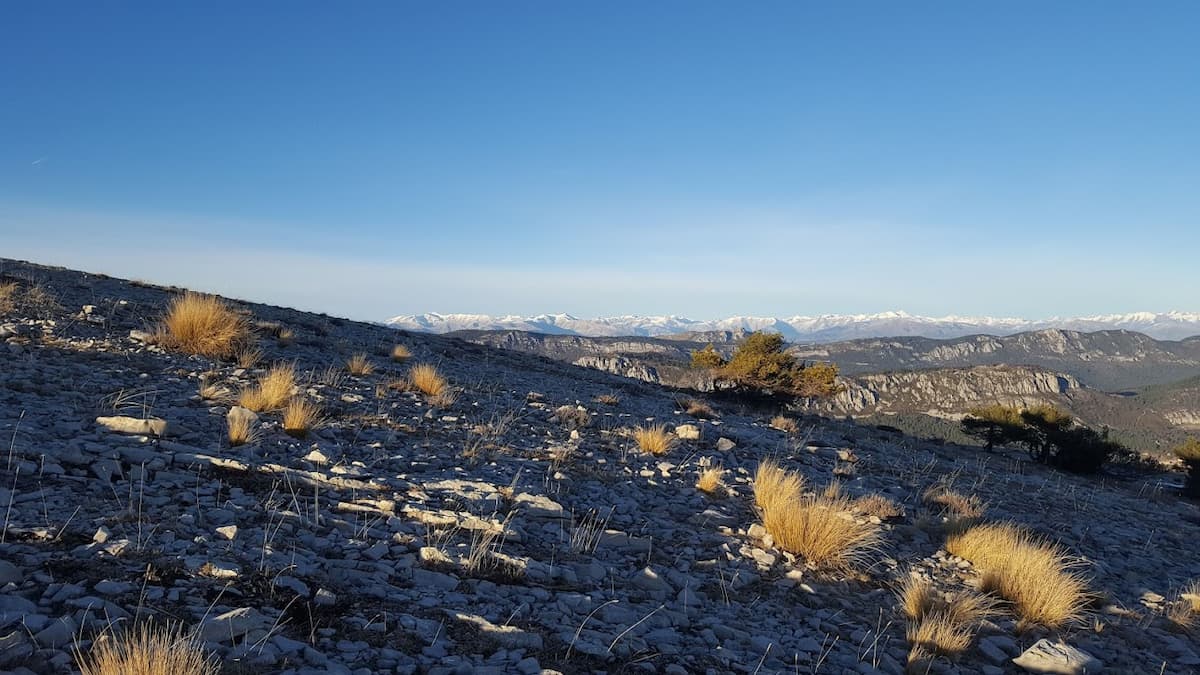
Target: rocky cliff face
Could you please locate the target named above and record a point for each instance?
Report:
(619, 365)
(948, 392)
(1108, 360)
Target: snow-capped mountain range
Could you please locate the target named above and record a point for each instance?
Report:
(826, 328)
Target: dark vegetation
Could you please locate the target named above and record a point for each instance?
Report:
(1189, 452)
(1050, 435)
(760, 364)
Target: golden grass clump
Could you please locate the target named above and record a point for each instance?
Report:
(273, 390)
(8, 294)
(956, 503)
(608, 399)
(427, 380)
(710, 481)
(400, 354)
(773, 484)
(359, 365)
(147, 650)
(821, 530)
(203, 324)
(300, 416)
(285, 337)
(1034, 575)
(917, 597)
(1185, 611)
(240, 429)
(784, 424)
(654, 439)
(248, 356)
(697, 408)
(939, 625)
(879, 506)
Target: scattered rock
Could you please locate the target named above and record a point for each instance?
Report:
(1046, 656)
(151, 426)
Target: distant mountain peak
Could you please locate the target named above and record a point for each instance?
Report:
(1173, 325)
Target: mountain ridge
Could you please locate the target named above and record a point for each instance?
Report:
(1169, 325)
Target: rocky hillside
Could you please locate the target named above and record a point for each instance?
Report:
(918, 377)
(512, 525)
(948, 392)
(1105, 360)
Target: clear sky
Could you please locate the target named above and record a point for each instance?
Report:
(703, 159)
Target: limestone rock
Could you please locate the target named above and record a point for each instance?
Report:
(1058, 658)
(151, 426)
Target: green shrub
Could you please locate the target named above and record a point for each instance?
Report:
(1050, 435)
(761, 363)
(994, 425)
(708, 357)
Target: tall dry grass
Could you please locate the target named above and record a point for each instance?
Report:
(8, 297)
(147, 649)
(822, 531)
(654, 439)
(937, 624)
(820, 528)
(359, 365)
(204, 325)
(773, 484)
(273, 390)
(1037, 577)
(240, 430)
(710, 481)
(426, 379)
(300, 417)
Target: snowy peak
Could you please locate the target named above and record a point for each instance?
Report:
(824, 328)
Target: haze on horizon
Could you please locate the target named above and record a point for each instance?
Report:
(686, 158)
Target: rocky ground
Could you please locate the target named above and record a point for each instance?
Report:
(494, 534)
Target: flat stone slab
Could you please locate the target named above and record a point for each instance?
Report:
(1058, 658)
(151, 426)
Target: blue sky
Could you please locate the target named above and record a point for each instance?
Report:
(703, 159)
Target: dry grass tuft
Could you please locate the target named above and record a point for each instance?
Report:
(608, 399)
(957, 503)
(359, 365)
(147, 650)
(273, 390)
(204, 325)
(240, 430)
(300, 416)
(1185, 611)
(213, 391)
(939, 625)
(710, 481)
(400, 354)
(654, 439)
(773, 484)
(427, 380)
(821, 530)
(248, 356)
(917, 597)
(285, 337)
(8, 295)
(697, 408)
(1034, 575)
(785, 424)
(879, 506)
